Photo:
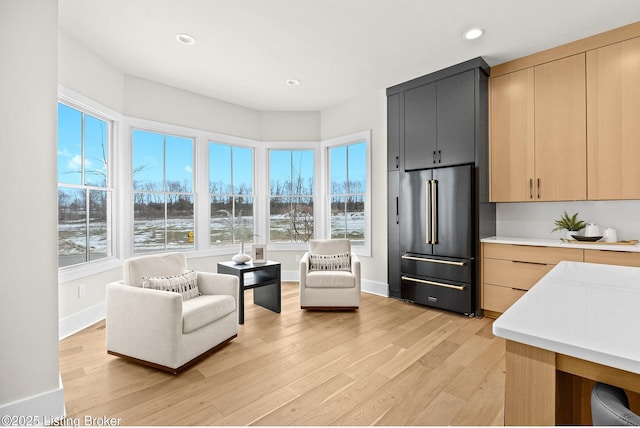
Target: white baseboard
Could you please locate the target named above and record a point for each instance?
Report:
(372, 287)
(375, 287)
(42, 409)
(81, 320)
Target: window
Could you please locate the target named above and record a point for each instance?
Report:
(291, 195)
(84, 208)
(347, 191)
(163, 198)
(230, 194)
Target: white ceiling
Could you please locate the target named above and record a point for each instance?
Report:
(246, 50)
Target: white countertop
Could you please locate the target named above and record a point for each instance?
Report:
(558, 243)
(584, 310)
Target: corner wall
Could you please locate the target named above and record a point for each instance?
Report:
(368, 112)
(30, 383)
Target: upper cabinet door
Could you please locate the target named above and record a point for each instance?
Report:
(393, 132)
(420, 135)
(561, 130)
(512, 138)
(456, 119)
(613, 114)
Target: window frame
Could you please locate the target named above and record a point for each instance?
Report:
(85, 105)
(346, 140)
(317, 208)
(224, 141)
(165, 133)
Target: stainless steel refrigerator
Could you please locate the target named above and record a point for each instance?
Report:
(436, 211)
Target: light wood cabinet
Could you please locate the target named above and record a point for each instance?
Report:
(511, 270)
(538, 133)
(511, 136)
(619, 258)
(613, 112)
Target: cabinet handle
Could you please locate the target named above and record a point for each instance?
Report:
(439, 156)
(397, 162)
(439, 284)
(434, 156)
(397, 211)
(528, 263)
(530, 188)
(519, 289)
(538, 188)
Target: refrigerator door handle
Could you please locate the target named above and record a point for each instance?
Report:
(444, 262)
(438, 284)
(434, 211)
(427, 207)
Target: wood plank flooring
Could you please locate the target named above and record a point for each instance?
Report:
(389, 363)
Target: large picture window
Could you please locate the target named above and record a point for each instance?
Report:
(231, 194)
(347, 191)
(84, 208)
(291, 195)
(163, 198)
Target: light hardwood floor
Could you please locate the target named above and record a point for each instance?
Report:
(390, 363)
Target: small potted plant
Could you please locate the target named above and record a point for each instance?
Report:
(570, 223)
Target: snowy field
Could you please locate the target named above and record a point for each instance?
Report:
(149, 235)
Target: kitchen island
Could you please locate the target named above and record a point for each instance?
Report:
(577, 325)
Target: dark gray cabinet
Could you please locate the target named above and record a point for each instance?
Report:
(456, 119)
(393, 232)
(436, 122)
(420, 126)
(394, 104)
(439, 123)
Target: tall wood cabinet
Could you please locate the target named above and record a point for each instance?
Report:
(538, 133)
(613, 114)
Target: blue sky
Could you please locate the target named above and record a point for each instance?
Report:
(154, 153)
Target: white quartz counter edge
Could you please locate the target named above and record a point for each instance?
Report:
(583, 310)
(558, 243)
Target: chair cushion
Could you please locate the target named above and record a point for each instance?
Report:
(185, 284)
(330, 279)
(204, 310)
(166, 264)
(333, 262)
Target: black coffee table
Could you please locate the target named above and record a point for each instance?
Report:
(264, 278)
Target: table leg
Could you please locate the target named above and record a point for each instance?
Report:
(241, 300)
(268, 296)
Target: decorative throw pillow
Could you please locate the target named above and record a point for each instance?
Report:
(341, 261)
(185, 284)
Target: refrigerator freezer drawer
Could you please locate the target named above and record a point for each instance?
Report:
(451, 296)
(460, 270)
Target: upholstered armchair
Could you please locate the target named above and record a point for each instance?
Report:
(168, 317)
(329, 275)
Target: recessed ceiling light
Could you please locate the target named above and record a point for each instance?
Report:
(185, 39)
(293, 82)
(473, 33)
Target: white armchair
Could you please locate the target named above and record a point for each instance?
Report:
(329, 276)
(156, 327)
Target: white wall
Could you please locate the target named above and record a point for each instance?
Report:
(290, 126)
(28, 277)
(367, 112)
(535, 219)
(154, 101)
(86, 73)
